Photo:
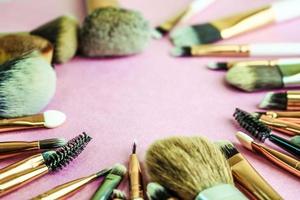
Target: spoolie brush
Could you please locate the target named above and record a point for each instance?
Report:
(261, 132)
(192, 167)
(156, 191)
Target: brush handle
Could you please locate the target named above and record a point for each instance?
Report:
(110, 183)
(92, 5)
(291, 81)
(285, 144)
(288, 61)
(275, 49)
(194, 8)
(286, 10)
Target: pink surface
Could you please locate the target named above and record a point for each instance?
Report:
(144, 97)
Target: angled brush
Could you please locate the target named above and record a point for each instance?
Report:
(287, 100)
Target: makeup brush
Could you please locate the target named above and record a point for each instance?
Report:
(27, 84)
(136, 189)
(296, 140)
(255, 78)
(118, 195)
(14, 45)
(239, 23)
(238, 50)
(50, 161)
(287, 100)
(156, 191)
(47, 119)
(266, 62)
(68, 189)
(193, 167)
(62, 33)
(245, 175)
(192, 9)
(110, 182)
(284, 161)
(110, 31)
(10, 149)
(261, 132)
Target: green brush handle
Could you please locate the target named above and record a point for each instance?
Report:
(289, 70)
(221, 192)
(105, 190)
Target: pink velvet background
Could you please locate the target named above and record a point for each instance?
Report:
(144, 97)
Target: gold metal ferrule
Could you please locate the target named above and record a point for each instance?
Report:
(221, 50)
(293, 100)
(245, 21)
(247, 63)
(21, 123)
(15, 148)
(92, 5)
(135, 179)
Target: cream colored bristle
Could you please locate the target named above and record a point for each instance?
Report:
(245, 140)
(187, 165)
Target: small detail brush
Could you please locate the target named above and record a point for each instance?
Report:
(68, 189)
(238, 50)
(288, 100)
(118, 195)
(284, 161)
(27, 85)
(15, 45)
(254, 78)
(239, 23)
(110, 182)
(192, 9)
(62, 33)
(48, 119)
(245, 175)
(193, 167)
(28, 170)
(156, 191)
(262, 132)
(271, 63)
(10, 149)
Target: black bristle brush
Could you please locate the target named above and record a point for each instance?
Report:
(261, 132)
(28, 170)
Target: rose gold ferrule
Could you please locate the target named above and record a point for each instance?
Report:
(247, 63)
(92, 5)
(244, 22)
(135, 179)
(66, 190)
(18, 146)
(282, 160)
(21, 166)
(221, 50)
(16, 181)
(283, 114)
(247, 177)
(293, 100)
(21, 123)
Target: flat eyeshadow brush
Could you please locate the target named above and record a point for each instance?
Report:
(231, 26)
(238, 50)
(270, 62)
(192, 9)
(48, 119)
(282, 160)
(261, 132)
(10, 149)
(287, 100)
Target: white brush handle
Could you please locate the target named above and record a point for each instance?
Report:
(275, 49)
(289, 61)
(196, 7)
(292, 81)
(286, 10)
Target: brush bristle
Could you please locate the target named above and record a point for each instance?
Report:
(181, 51)
(194, 161)
(276, 101)
(118, 194)
(253, 78)
(62, 33)
(251, 124)
(52, 143)
(27, 84)
(65, 154)
(245, 140)
(194, 35)
(114, 32)
(15, 45)
(217, 66)
(227, 148)
(158, 33)
(53, 118)
(296, 140)
(156, 191)
(119, 170)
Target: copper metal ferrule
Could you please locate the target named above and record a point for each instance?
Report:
(293, 100)
(92, 5)
(243, 22)
(220, 50)
(16, 181)
(11, 149)
(282, 160)
(21, 123)
(135, 178)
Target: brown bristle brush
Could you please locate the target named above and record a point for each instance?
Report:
(193, 167)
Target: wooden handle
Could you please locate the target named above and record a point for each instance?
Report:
(91, 5)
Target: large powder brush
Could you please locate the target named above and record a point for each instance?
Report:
(193, 167)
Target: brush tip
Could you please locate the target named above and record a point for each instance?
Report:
(118, 194)
(156, 34)
(134, 147)
(217, 65)
(264, 104)
(227, 148)
(52, 143)
(245, 140)
(296, 140)
(119, 169)
(156, 191)
(54, 118)
(184, 36)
